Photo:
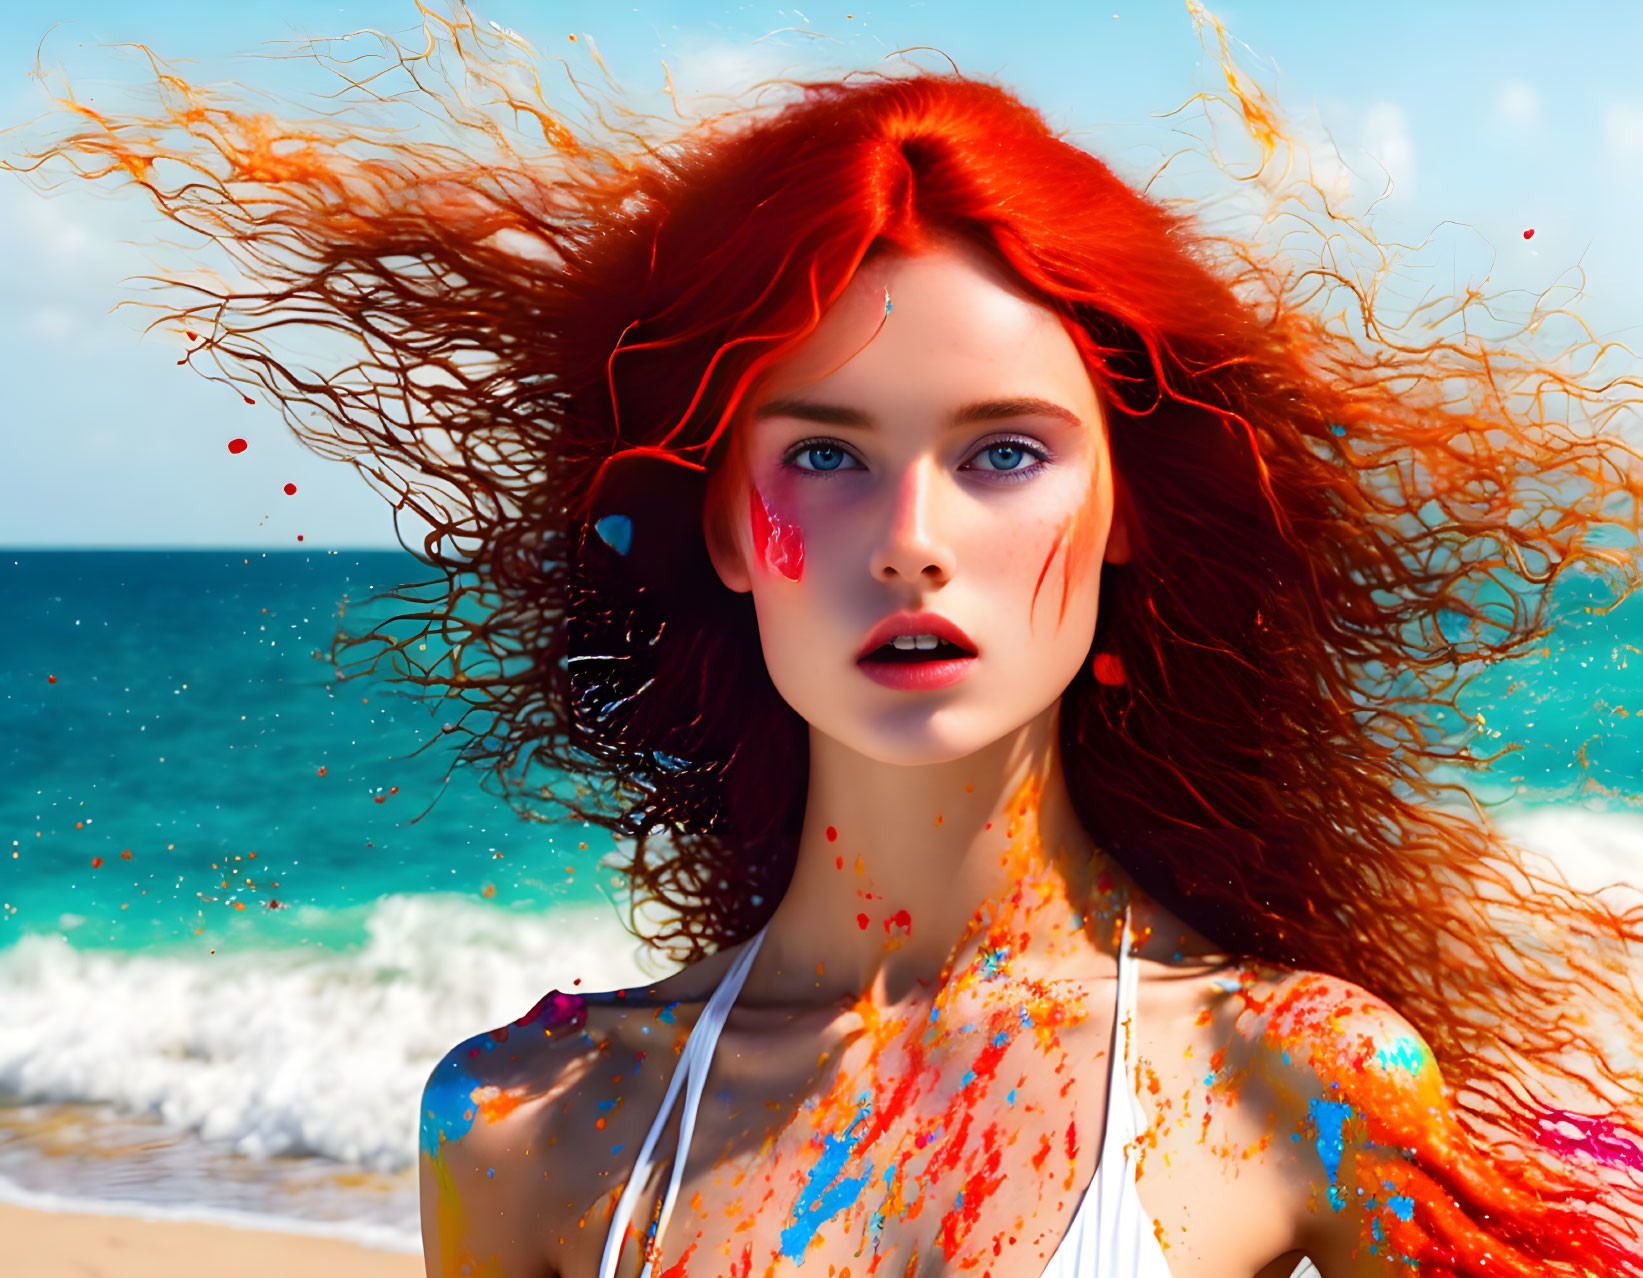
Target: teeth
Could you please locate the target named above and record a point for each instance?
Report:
(907, 643)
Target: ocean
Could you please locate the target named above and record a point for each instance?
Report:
(241, 919)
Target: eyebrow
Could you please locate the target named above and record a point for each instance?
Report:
(985, 410)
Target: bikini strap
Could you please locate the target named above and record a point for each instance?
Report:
(1122, 1105)
(690, 1073)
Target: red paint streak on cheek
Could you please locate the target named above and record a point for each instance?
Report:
(778, 542)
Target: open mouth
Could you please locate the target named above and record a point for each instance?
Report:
(907, 653)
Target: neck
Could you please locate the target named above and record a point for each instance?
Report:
(907, 874)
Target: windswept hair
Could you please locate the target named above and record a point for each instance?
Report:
(1338, 519)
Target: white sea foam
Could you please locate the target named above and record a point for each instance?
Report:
(1594, 849)
(325, 1052)
(292, 1051)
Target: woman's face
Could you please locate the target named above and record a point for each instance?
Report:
(930, 455)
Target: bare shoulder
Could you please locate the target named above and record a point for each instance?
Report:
(511, 1159)
(1290, 1113)
(486, 1143)
(1360, 1098)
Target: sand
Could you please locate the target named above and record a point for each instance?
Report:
(52, 1244)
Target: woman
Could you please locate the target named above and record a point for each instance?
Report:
(1009, 624)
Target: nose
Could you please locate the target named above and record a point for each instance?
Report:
(912, 548)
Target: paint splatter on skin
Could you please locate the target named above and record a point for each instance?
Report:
(1395, 1164)
(455, 1098)
(777, 542)
(825, 1193)
(927, 1106)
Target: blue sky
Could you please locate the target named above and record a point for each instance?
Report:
(1489, 119)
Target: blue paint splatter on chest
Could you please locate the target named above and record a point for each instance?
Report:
(825, 1193)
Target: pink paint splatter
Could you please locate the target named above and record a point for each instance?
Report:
(556, 1009)
(779, 543)
(1598, 1139)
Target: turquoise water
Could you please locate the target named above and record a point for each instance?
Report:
(188, 724)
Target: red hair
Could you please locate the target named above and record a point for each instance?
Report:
(1333, 526)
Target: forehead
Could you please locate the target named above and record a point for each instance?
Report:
(947, 323)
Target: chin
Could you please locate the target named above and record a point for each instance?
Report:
(915, 736)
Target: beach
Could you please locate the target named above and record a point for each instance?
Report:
(51, 1244)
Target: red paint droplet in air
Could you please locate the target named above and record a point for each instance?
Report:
(51, 678)
(248, 399)
(97, 864)
(1107, 669)
(901, 918)
(832, 835)
(290, 490)
(393, 789)
(382, 798)
(126, 855)
(237, 445)
(322, 772)
(1529, 234)
(193, 337)
(861, 922)
(838, 863)
(299, 536)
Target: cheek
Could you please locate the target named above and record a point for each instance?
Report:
(778, 542)
(1015, 556)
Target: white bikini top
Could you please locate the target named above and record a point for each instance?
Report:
(1110, 1236)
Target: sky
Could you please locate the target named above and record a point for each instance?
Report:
(1472, 122)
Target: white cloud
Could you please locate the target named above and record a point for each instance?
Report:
(1386, 139)
(1623, 133)
(1517, 104)
(721, 68)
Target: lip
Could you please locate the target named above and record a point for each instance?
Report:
(917, 676)
(916, 623)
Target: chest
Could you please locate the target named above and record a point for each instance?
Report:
(917, 1145)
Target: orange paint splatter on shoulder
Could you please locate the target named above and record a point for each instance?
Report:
(496, 1103)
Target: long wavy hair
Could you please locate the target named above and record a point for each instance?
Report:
(1337, 519)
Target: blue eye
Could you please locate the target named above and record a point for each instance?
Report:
(1011, 457)
(822, 456)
